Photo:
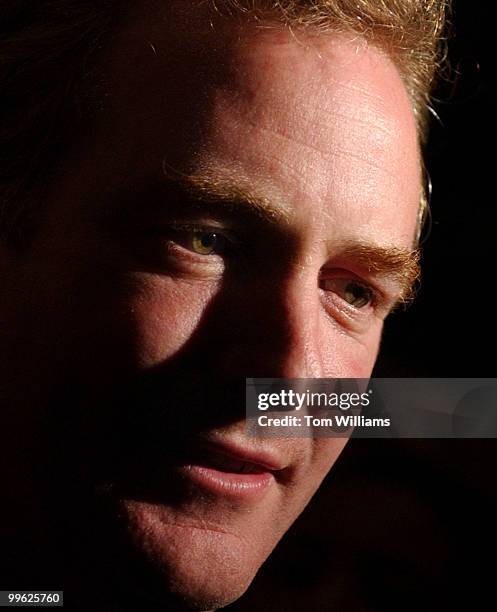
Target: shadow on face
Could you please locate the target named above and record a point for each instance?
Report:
(145, 303)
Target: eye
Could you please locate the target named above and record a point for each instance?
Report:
(200, 241)
(353, 292)
(205, 243)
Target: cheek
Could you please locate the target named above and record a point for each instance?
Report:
(161, 316)
(326, 452)
(345, 355)
(321, 455)
(360, 362)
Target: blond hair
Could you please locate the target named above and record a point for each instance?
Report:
(409, 31)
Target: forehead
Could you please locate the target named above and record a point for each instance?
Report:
(328, 115)
(315, 119)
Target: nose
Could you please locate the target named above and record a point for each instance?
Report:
(272, 329)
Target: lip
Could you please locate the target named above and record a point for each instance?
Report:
(232, 471)
(263, 459)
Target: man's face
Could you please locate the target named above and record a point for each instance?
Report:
(236, 209)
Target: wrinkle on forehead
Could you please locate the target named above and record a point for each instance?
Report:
(320, 96)
(335, 70)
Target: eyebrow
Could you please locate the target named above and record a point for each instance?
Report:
(227, 194)
(399, 264)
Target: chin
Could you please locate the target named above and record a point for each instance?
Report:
(186, 563)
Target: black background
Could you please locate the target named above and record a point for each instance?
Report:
(410, 524)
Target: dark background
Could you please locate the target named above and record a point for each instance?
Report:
(410, 524)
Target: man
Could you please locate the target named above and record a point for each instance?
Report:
(194, 193)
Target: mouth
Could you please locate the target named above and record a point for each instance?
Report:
(230, 472)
